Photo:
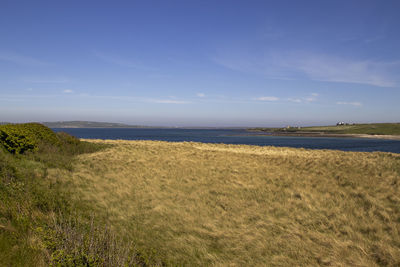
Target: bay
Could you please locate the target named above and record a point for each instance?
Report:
(234, 136)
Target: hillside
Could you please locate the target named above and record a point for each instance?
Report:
(40, 224)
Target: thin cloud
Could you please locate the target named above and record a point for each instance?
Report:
(333, 69)
(108, 97)
(357, 104)
(22, 60)
(311, 98)
(47, 80)
(5, 99)
(120, 61)
(295, 100)
(374, 39)
(167, 101)
(317, 67)
(137, 99)
(267, 98)
(30, 96)
(200, 95)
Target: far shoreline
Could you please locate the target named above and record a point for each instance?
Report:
(305, 134)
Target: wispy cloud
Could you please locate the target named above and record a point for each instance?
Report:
(318, 67)
(121, 61)
(12, 99)
(295, 100)
(19, 59)
(23, 97)
(46, 80)
(200, 95)
(333, 69)
(310, 98)
(267, 98)
(357, 104)
(167, 101)
(374, 39)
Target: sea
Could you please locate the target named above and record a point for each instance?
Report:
(235, 136)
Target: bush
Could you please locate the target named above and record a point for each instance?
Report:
(19, 138)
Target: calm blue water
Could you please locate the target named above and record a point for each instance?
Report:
(235, 136)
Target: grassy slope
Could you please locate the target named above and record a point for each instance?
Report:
(373, 128)
(200, 204)
(39, 222)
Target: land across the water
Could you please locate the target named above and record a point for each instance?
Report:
(89, 124)
(390, 131)
(95, 124)
(322, 134)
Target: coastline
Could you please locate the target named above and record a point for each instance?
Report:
(318, 134)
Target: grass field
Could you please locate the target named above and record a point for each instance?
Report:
(214, 204)
(371, 128)
(376, 128)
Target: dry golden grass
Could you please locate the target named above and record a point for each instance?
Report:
(214, 204)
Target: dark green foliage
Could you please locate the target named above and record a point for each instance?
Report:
(36, 211)
(41, 144)
(19, 138)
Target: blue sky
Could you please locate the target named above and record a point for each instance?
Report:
(200, 63)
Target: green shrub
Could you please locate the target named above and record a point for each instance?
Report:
(36, 211)
(19, 138)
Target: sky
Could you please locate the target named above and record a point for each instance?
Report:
(200, 63)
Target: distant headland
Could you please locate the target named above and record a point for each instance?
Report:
(368, 130)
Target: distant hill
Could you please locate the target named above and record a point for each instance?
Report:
(89, 124)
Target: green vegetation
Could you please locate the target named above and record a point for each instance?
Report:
(19, 138)
(40, 224)
(372, 129)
